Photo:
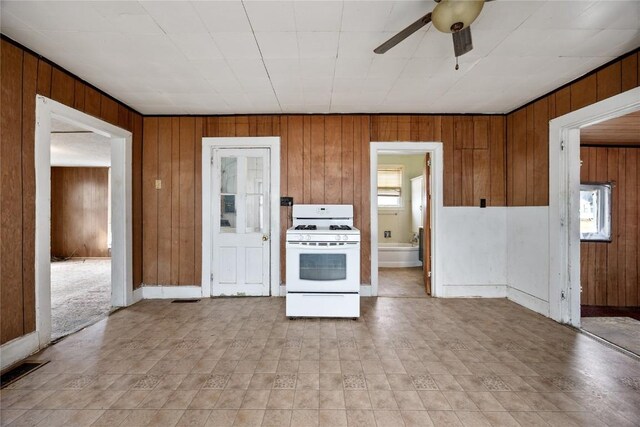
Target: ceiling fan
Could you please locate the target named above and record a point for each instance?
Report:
(449, 16)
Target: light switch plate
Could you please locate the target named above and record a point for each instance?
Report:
(158, 184)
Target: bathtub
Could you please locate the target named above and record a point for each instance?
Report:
(398, 255)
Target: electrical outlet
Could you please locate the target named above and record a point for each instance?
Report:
(387, 234)
(158, 184)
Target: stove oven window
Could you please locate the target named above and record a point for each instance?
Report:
(323, 267)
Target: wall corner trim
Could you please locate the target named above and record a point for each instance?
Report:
(528, 301)
(169, 292)
(18, 349)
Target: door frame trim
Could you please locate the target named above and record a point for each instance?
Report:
(121, 207)
(435, 149)
(208, 144)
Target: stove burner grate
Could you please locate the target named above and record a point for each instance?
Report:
(339, 227)
(306, 227)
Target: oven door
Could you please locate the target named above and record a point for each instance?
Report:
(323, 267)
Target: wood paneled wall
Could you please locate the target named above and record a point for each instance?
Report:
(609, 271)
(528, 127)
(324, 159)
(474, 152)
(79, 211)
(22, 76)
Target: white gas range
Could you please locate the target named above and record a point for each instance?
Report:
(323, 262)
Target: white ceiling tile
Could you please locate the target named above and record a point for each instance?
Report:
(317, 84)
(247, 67)
(237, 45)
(365, 15)
(175, 17)
(278, 44)
(404, 13)
(223, 16)
(318, 44)
(524, 42)
(435, 44)
(196, 45)
(57, 16)
(609, 43)
(317, 98)
(559, 15)
(9, 21)
(612, 15)
(386, 67)
(271, 15)
(317, 67)
(288, 98)
(226, 85)
(212, 69)
(318, 15)
(505, 15)
(352, 67)
(282, 66)
(255, 84)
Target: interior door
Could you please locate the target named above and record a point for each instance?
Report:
(241, 223)
(426, 211)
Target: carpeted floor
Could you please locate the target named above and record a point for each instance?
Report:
(80, 294)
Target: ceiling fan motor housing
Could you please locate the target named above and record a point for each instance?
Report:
(450, 16)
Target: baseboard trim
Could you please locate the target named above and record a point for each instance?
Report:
(137, 295)
(169, 292)
(474, 291)
(18, 349)
(528, 301)
(399, 264)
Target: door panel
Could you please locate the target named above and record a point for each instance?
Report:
(241, 249)
(426, 244)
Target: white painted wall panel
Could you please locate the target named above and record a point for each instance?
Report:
(474, 250)
(528, 256)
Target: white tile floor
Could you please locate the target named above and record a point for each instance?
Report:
(406, 361)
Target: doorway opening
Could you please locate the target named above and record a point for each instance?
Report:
(609, 230)
(80, 228)
(405, 201)
(567, 209)
(83, 210)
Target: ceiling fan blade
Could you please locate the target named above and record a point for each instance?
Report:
(462, 42)
(403, 34)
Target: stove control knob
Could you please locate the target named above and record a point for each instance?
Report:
(337, 237)
(345, 237)
(297, 237)
(307, 237)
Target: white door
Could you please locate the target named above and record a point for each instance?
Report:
(241, 254)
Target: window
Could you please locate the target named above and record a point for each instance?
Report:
(390, 186)
(595, 212)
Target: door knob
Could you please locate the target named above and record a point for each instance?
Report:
(265, 237)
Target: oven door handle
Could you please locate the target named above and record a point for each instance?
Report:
(346, 246)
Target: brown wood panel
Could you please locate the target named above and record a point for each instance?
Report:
(467, 190)
(295, 153)
(404, 128)
(358, 197)
(197, 212)
(481, 177)
(108, 109)
(530, 155)
(306, 160)
(632, 213)
(333, 160)
(601, 250)
(540, 177)
(92, 101)
(264, 126)
(450, 171)
(509, 159)
(164, 198)
(517, 166)
(242, 126)
(463, 137)
(629, 72)
(11, 285)
(621, 131)
(79, 211)
(622, 231)
(611, 250)
(365, 227)
(563, 101)
(78, 95)
(29, 85)
(427, 128)
(317, 159)
(175, 201)
(150, 227)
(583, 92)
(44, 78)
(346, 168)
(497, 162)
(481, 132)
(387, 128)
(186, 188)
(226, 126)
(609, 81)
(62, 87)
